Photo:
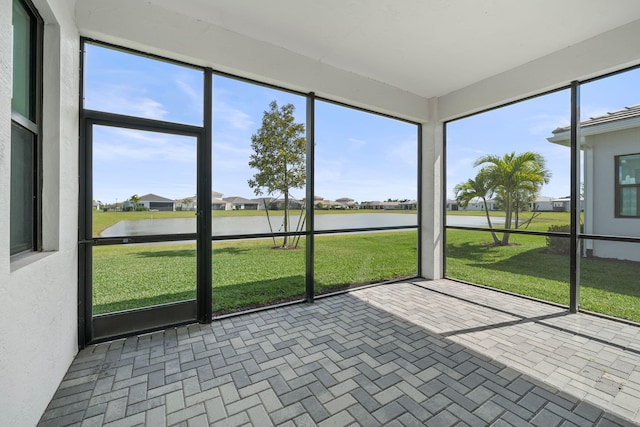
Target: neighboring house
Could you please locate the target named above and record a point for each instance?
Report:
(386, 205)
(477, 204)
(152, 202)
(611, 167)
(452, 205)
(218, 204)
(347, 203)
(96, 204)
(542, 204)
(279, 204)
(187, 203)
(409, 205)
(240, 203)
(563, 204)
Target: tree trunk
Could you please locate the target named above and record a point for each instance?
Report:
(496, 241)
(507, 219)
(286, 218)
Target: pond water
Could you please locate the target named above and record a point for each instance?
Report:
(231, 225)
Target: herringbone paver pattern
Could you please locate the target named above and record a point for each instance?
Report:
(437, 354)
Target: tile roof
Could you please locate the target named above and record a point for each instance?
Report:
(154, 198)
(612, 116)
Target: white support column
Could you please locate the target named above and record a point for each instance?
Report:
(432, 237)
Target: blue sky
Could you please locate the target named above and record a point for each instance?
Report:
(358, 155)
(524, 126)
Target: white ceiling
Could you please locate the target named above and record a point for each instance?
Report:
(426, 47)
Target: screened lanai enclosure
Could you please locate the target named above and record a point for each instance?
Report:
(172, 163)
(225, 247)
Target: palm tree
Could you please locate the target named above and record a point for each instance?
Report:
(476, 188)
(134, 200)
(512, 174)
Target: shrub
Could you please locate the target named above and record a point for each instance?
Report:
(556, 244)
(560, 245)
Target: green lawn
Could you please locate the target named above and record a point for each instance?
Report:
(246, 274)
(608, 287)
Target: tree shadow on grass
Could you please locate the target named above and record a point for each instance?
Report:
(226, 299)
(471, 251)
(237, 297)
(233, 298)
(188, 253)
(136, 303)
(534, 262)
(595, 273)
(185, 253)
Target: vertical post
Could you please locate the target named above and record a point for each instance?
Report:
(419, 205)
(204, 274)
(432, 179)
(310, 190)
(574, 261)
(84, 322)
(85, 225)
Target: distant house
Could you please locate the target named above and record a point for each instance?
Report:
(385, 205)
(477, 204)
(542, 204)
(409, 205)
(293, 204)
(152, 202)
(452, 205)
(240, 203)
(563, 204)
(187, 203)
(346, 203)
(273, 203)
(190, 203)
(611, 168)
(218, 204)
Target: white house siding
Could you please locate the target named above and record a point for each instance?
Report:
(39, 292)
(600, 173)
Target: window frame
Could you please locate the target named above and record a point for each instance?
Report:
(32, 125)
(619, 187)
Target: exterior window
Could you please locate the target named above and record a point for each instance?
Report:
(25, 129)
(628, 186)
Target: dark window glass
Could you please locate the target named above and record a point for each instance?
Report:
(24, 24)
(22, 189)
(628, 168)
(24, 130)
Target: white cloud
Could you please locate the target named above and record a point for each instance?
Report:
(405, 153)
(190, 91)
(234, 117)
(123, 99)
(124, 144)
(544, 124)
(356, 143)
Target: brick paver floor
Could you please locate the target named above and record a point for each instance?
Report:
(435, 353)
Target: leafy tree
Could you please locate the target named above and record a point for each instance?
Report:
(279, 150)
(476, 188)
(515, 178)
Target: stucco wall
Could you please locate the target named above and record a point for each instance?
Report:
(38, 293)
(603, 221)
